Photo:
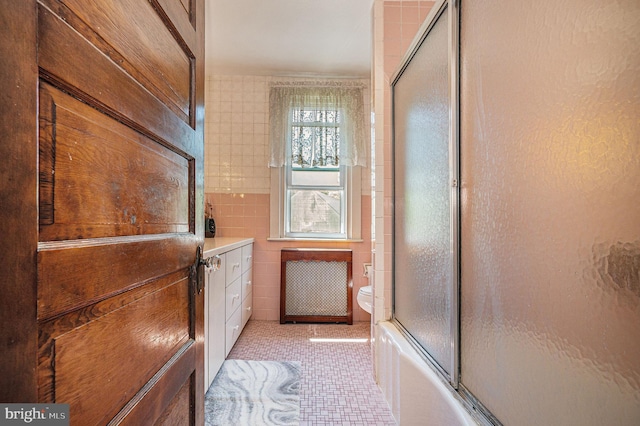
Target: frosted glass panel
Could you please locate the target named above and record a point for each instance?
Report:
(423, 262)
(550, 238)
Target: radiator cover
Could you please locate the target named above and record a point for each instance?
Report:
(316, 285)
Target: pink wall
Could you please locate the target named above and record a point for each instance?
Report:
(247, 215)
(401, 23)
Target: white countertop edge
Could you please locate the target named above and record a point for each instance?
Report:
(218, 245)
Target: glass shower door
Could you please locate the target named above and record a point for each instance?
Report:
(424, 264)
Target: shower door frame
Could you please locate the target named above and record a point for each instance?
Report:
(452, 10)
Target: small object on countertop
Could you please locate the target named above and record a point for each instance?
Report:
(209, 227)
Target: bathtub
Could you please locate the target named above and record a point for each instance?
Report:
(415, 393)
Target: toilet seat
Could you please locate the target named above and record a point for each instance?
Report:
(365, 298)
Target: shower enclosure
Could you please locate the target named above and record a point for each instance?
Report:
(516, 216)
(425, 217)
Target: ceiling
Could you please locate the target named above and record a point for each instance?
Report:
(289, 37)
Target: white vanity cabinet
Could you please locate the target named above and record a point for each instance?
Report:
(214, 350)
(228, 298)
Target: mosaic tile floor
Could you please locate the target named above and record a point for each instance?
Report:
(337, 386)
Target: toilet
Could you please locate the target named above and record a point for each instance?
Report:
(365, 298)
(365, 294)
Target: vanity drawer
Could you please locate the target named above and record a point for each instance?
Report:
(247, 306)
(233, 297)
(234, 328)
(234, 265)
(246, 283)
(247, 257)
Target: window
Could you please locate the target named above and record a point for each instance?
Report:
(315, 184)
(316, 140)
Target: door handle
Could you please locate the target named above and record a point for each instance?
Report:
(196, 269)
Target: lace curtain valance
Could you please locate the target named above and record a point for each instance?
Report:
(337, 108)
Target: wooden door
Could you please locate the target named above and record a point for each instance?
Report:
(102, 195)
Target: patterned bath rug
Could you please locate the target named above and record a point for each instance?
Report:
(254, 393)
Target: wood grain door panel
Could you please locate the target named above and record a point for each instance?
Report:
(136, 38)
(100, 178)
(169, 396)
(53, 328)
(98, 366)
(72, 63)
(178, 412)
(181, 13)
(73, 276)
(119, 315)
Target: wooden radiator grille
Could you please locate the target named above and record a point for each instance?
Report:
(316, 285)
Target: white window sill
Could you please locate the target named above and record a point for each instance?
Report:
(319, 240)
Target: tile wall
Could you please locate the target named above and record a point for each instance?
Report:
(236, 140)
(237, 185)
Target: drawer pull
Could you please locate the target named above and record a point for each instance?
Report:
(248, 283)
(236, 265)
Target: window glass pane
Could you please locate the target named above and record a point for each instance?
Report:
(315, 212)
(315, 178)
(315, 138)
(313, 116)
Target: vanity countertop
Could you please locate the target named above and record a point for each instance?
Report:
(213, 246)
